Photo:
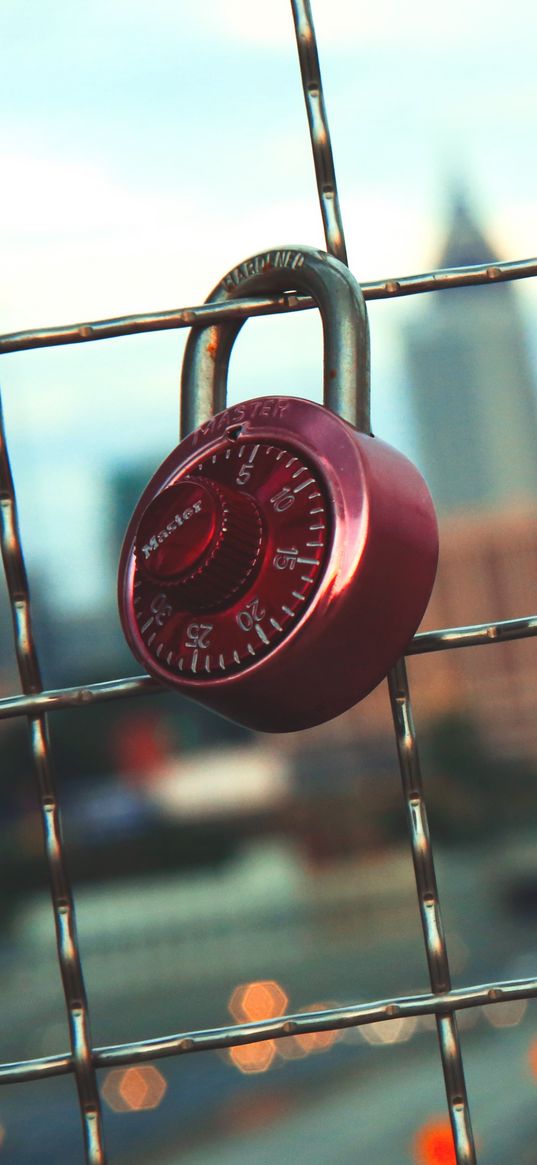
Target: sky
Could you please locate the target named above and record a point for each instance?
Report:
(150, 146)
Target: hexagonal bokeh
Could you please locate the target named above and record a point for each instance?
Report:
(317, 1041)
(251, 1058)
(433, 1143)
(389, 1031)
(507, 1014)
(134, 1089)
(261, 999)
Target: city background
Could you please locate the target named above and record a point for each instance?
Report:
(219, 874)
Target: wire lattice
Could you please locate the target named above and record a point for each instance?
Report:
(442, 1001)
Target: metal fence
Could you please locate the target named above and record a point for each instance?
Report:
(441, 1001)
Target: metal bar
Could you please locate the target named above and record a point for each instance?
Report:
(62, 902)
(204, 314)
(76, 697)
(329, 1019)
(447, 278)
(476, 635)
(182, 317)
(444, 639)
(321, 146)
(442, 1002)
(204, 376)
(448, 1038)
(430, 912)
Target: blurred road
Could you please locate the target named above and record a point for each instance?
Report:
(354, 935)
(372, 1115)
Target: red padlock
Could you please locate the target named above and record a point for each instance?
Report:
(280, 560)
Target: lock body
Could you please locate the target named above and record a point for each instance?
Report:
(277, 564)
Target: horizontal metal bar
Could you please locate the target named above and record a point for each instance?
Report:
(449, 277)
(205, 314)
(75, 697)
(444, 639)
(160, 321)
(331, 1019)
(476, 635)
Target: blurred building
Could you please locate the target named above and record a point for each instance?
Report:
(475, 410)
(471, 384)
(487, 572)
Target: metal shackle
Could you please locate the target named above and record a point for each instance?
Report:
(345, 327)
(279, 560)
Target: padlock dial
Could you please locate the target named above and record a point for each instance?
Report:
(277, 564)
(201, 538)
(228, 557)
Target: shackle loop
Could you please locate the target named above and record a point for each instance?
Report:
(345, 328)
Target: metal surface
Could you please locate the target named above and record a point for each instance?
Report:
(62, 903)
(83, 1058)
(242, 308)
(346, 380)
(443, 639)
(328, 632)
(442, 1005)
(431, 915)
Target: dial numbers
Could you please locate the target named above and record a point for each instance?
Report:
(296, 531)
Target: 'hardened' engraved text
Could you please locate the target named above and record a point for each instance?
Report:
(260, 265)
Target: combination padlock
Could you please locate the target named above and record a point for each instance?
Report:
(280, 560)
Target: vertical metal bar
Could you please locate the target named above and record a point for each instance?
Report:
(62, 902)
(435, 945)
(431, 917)
(319, 130)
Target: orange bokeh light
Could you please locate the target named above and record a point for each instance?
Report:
(433, 1143)
(261, 999)
(252, 1002)
(317, 1041)
(251, 1058)
(134, 1089)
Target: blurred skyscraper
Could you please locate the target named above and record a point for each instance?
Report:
(474, 407)
(471, 385)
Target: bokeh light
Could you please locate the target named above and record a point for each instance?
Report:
(261, 999)
(252, 1002)
(134, 1089)
(389, 1031)
(507, 1014)
(317, 1041)
(433, 1143)
(290, 1049)
(252, 1058)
